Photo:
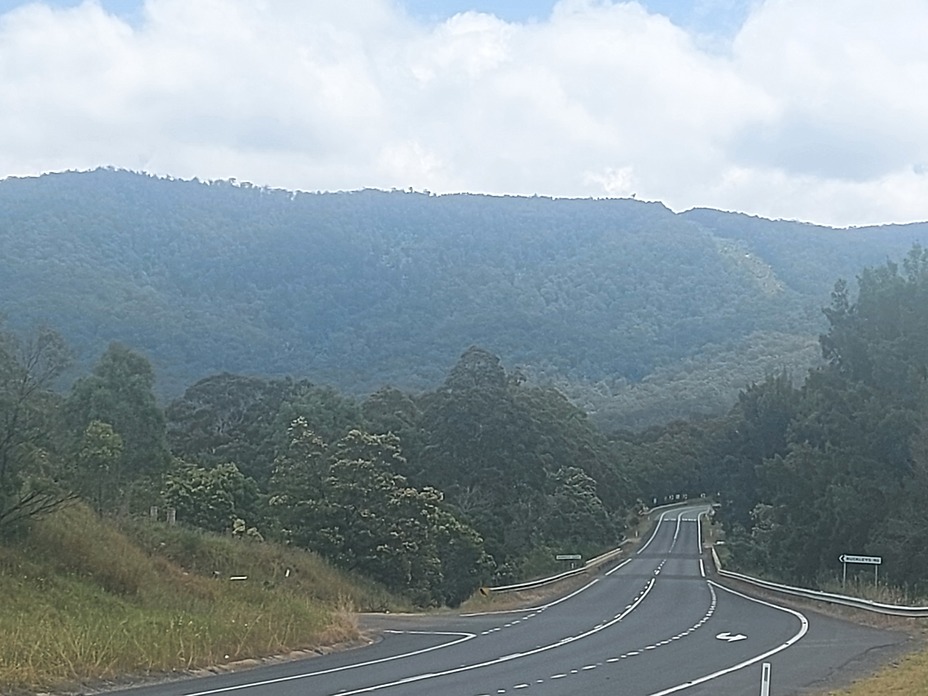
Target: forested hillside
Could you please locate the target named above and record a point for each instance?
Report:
(489, 475)
(615, 301)
(485, 478)
(841, 463)
(834, 464)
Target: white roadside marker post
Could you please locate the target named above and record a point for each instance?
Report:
(765, 680)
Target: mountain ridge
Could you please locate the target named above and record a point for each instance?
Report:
(365, 288)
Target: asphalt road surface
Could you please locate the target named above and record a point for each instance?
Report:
(650, 625)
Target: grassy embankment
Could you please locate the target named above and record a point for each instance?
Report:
(907, 677)
(84, 600)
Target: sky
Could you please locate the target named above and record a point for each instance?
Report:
(787, 109)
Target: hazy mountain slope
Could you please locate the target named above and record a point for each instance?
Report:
(801, 252)
(365, 288)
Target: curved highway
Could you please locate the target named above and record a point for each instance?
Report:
(650, 625)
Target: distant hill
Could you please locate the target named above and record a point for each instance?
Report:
(366, 288)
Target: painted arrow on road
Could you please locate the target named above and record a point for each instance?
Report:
(731, 638)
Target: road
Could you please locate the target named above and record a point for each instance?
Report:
(651, 625)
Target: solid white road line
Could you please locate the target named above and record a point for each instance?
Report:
(463, 637)
(803, 629)
(503, 658)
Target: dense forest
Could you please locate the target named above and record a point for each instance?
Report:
(484, 479)
(841, 462)
(317, 397)
(836, 463)
(637, 314)
(488, 477)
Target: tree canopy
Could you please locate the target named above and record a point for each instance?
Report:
(838, 465)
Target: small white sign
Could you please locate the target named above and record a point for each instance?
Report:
(867, 560)
(568, 557)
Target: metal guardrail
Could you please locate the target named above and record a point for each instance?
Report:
(606, 557)
(831, 598)
(592, 563)
(804, 593)
(532, 584)
(541, 582)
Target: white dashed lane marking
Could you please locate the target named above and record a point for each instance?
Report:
(641, 651)
(632, 653)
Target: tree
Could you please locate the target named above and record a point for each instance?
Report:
(389, 410)
(229, 418)
(881, 339)
(98, 458)
(28, 470)
(477, 369)
(235, 418)
(902, 537)
(576, 514)
(119, 392)
(759, 427)
(345, 502)
(214, 498)
(508, 454)
(839, 463)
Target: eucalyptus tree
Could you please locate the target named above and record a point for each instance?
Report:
(244, 419)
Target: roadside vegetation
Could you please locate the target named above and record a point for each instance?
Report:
(89, 601)
(484, 480)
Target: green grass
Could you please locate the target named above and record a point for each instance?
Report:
(86, 600)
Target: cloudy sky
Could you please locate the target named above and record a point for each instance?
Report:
(791, 109)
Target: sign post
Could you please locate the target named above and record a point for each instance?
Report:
(572, 557)
(875, 561)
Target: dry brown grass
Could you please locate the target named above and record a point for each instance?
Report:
(905, 677)
(85, 601)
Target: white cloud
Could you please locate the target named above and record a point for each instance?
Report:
(851, 85)
(817, 112)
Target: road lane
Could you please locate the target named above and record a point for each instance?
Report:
(651, 624)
